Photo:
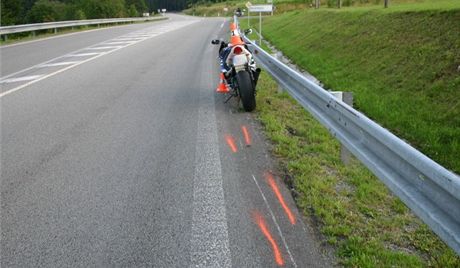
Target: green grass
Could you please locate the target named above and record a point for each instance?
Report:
(354, 210)
(402, 66)
(283, 6)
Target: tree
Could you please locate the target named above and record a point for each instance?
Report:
(138, 4)
(95, 9)
(47, 11)
(12, 12)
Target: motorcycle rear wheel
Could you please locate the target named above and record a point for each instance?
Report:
(246, 90)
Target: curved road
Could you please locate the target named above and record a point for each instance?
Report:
(115, 151)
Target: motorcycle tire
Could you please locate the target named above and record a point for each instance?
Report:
(246, 90)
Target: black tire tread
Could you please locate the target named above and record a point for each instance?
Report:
(246, 91)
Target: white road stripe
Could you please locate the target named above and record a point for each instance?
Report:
(84, 54)
(59, 64)
(275, 221)
(209, 242)
(119, 43)
(106, 47)
(20, 79)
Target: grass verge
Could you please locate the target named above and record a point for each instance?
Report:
(354, 210)
(402, 65)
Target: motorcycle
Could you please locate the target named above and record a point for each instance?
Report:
(238, 68)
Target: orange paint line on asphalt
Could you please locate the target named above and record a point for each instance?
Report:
(231, 143)
(247, 137)
(263, 227)
(276, 190)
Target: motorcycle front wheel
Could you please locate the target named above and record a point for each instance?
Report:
(246, 90)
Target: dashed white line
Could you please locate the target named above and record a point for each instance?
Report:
(275, 221)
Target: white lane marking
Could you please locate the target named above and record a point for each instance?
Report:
(128, 39)
(275, 221)
(58, 64)
(83, 54)
(222, 25)
(118, 43)
(176, 26)
(209, 242)
(106, 47)
(20, 79)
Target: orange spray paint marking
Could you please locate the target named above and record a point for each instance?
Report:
(247, 137)
(263, 227)
(276, 190)
(231, 143)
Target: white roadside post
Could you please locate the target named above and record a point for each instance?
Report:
(248, 5)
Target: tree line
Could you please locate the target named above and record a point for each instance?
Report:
(15, 12)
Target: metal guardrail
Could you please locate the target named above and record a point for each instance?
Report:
(64, 24)
(428, 189)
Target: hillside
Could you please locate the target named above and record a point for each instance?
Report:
(402, 66)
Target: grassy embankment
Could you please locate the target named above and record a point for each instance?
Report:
(402, 66)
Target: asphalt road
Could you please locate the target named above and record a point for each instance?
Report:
(116, 151)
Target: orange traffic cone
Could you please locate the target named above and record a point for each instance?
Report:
(222, 87)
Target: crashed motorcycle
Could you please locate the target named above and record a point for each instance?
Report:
(239, 73)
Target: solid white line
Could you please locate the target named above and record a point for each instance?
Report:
(276, 222)
(20, 79)
(209, 237)
(59, 64)
(222, 25)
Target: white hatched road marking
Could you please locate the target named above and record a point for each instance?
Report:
(20, 79)
(118, 43)
(83, 54)
(59, 64)
(107, 47)
(33, 79)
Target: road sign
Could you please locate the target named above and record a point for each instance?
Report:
(163, 10)
(261, 8)
(248, 4)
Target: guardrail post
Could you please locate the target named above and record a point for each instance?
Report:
(5, 37)
(347, 97)
(55, 30)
